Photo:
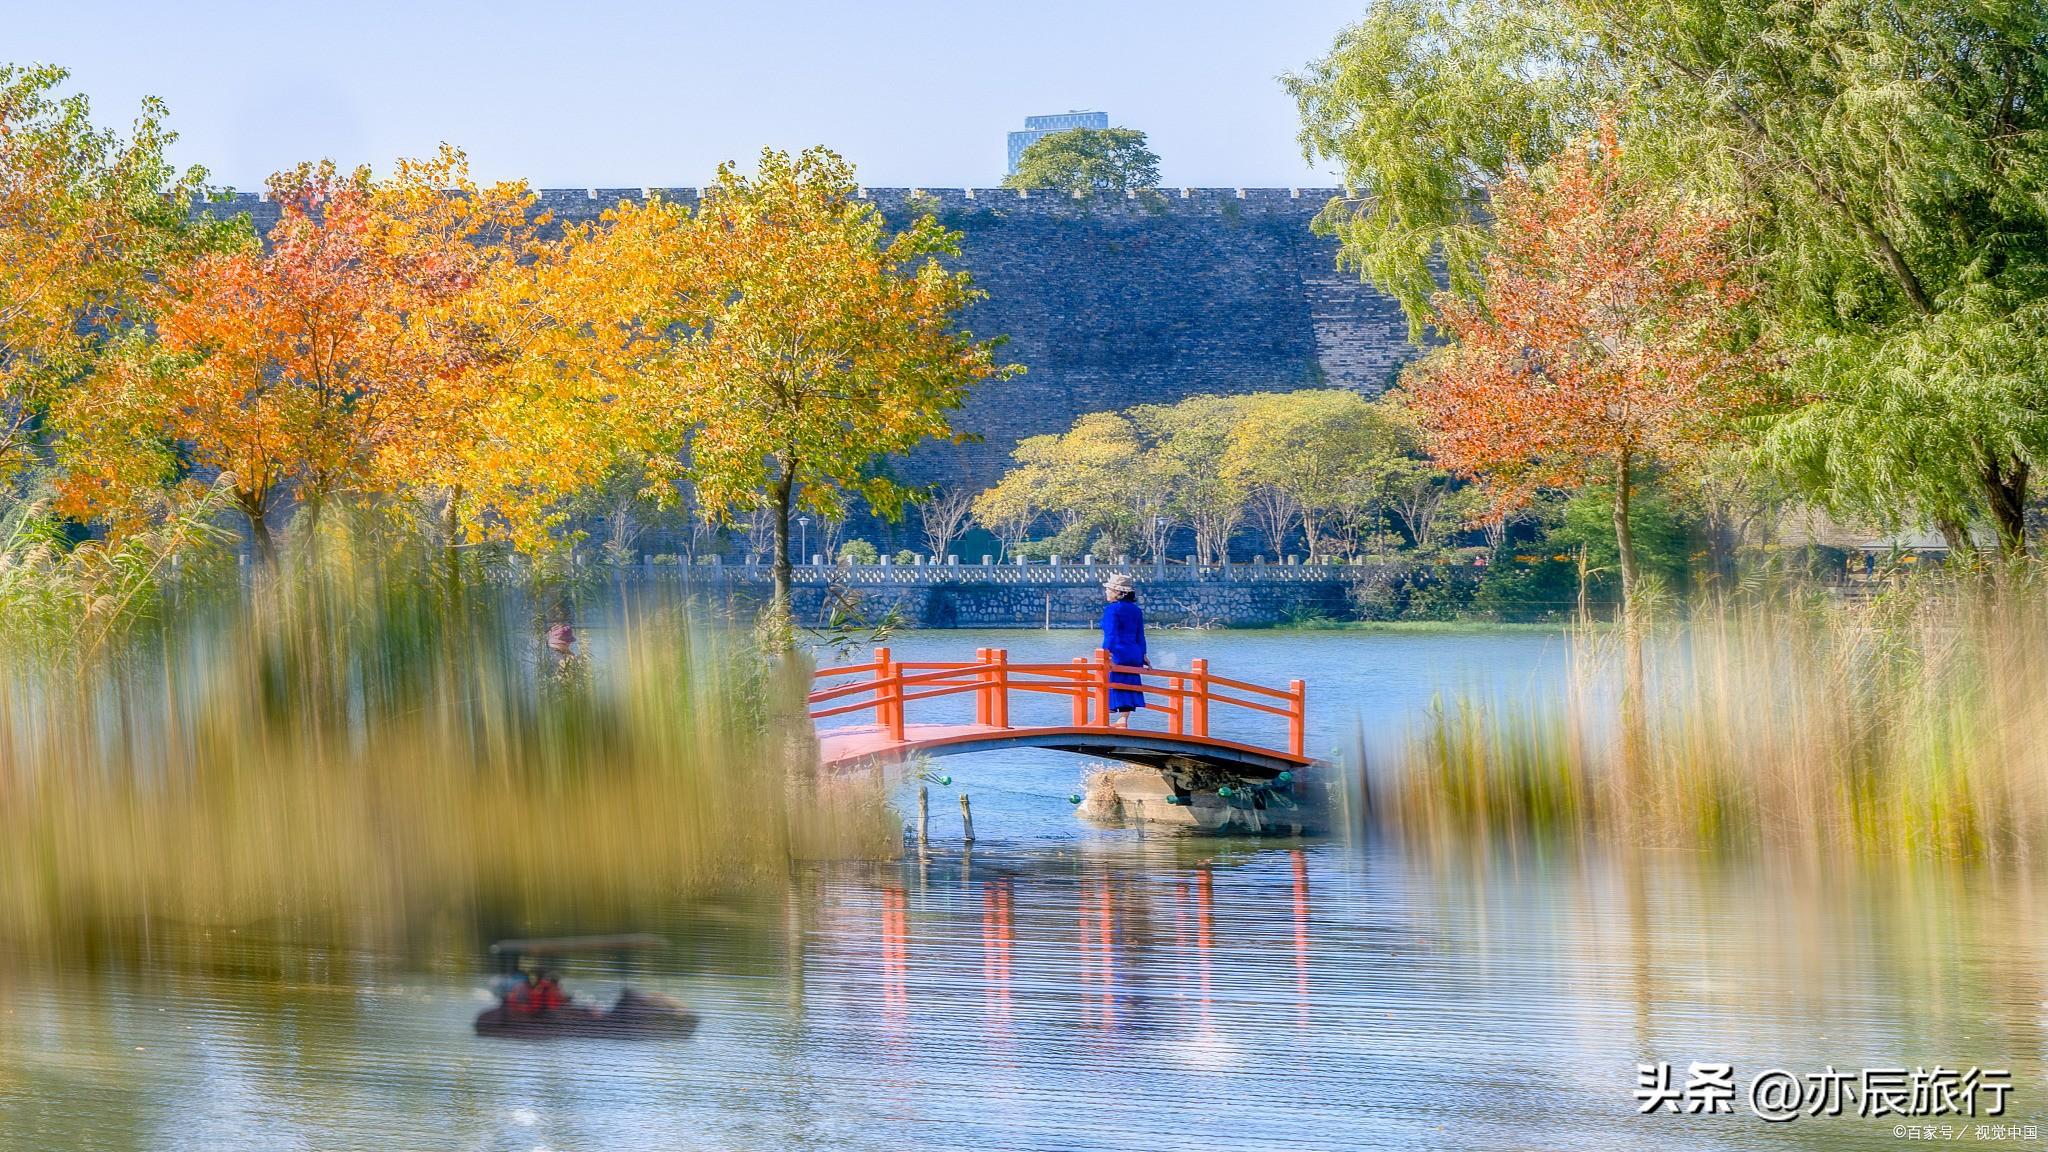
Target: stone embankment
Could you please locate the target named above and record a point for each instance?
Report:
(991, 595)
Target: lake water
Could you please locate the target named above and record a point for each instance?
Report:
(1066, 986)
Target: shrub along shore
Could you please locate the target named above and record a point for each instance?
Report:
(351, 747)
(1905, 725)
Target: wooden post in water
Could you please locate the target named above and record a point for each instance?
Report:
(966, 821)
(924, 817)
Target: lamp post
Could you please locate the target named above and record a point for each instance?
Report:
(1158, 536)
(803, 524)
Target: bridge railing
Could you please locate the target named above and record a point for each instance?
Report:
(1188, 697)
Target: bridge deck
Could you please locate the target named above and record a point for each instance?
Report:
(852, 747)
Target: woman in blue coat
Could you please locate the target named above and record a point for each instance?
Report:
(1123, 637)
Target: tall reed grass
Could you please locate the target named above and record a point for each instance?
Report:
(354, 747)
(1911, 724)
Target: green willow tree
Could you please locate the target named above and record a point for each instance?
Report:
(1887, 159)
(1425, 105)
(1895, 156)
(1087, 162)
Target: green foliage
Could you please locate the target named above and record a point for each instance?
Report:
(1886, 160)
(1423, 106)
(1938, 421)
(1664, 539)
(1327, 455)
(1524, 591)
(1893, 156)
(1087, 162)
(1069, 542)
(1413, 591)
(859, 552)
(1092, 481)
(1189, 440)
(76, 599)
(1538, 579)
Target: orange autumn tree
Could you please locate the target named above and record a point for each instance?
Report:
(333, 360)
(458, 257)
(1606, 340)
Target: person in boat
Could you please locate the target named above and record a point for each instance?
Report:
(519, 997)
(1123, 637)
(548, 995)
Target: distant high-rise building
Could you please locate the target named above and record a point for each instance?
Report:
(1039, 127)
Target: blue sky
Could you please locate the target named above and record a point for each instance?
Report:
(643, 93)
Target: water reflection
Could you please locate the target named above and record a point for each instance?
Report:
(1100, 994)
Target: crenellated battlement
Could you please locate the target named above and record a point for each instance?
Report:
(568, 204)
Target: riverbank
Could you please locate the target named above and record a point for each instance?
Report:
(1463, 627)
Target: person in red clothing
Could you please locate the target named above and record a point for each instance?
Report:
(547, 995)
(521, 999)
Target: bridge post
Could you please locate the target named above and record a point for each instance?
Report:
(1198, 671)
(1177, 718)
(983, 705)
(1101, 687)
(1297, 717)
(888, 693)
(999, 695)
(1080, 692)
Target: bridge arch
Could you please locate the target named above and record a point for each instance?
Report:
(877, 697)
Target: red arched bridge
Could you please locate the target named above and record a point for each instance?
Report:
(881, 693)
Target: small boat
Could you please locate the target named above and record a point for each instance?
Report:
(634, 1015)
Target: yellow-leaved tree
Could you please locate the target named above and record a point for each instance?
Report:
(789, 338)
(1307, 456)
(341, 357)
(87, 219)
